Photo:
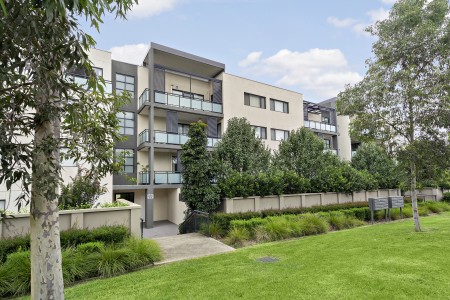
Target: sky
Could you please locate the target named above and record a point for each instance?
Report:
(312, 47)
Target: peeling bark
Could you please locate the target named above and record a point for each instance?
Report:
(46, 260)
(415, 207)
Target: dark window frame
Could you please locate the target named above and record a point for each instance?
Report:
(262, 136)
(285, 106)
(273, 134)
(262, 100)
(132, 92)
(123, 118)
(126, 153)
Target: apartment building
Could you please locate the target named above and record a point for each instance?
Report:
(172, 89)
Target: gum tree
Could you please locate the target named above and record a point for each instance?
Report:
(42, 110)
(404, 96)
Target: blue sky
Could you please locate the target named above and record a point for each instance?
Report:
(313, 47)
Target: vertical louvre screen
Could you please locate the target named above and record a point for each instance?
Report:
(217, 92)
(272, 104)
(263, 102)
(172, 122)
(333, 117)
(159, 80)
(179, 165)
(212, 127)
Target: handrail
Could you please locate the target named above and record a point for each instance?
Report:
(183, 227)
(187, 102)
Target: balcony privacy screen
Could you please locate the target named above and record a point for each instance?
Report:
(159, 79)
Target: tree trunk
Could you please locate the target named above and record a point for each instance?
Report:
(46, 260)
(414, 197)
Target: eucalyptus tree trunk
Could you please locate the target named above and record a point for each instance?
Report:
(414, 197)
(46, 260)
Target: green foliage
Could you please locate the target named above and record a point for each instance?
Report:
(147, 251)
(113, 204)
(237, 236)
(69, 238)
(240, 150)
(338, 220)
(302, 152)
(294, 184)
(82, 192)
(15, 274)
(311, 224)
(198, 172)
(91, 247)
(374, 159)
(446, 197)
(79, 263)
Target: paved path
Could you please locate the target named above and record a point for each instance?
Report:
(161, 229)
(187, 246)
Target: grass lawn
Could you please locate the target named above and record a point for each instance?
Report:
(385, 261)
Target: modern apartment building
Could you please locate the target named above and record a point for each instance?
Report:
(172, 89)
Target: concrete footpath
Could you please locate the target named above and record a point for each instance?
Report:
(187, 246)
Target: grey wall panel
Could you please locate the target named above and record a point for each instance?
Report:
(159, 79)
(172, 121)
(217, 91)
(212, 127)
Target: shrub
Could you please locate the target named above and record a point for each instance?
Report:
(437, 207)
(237, 236)
(339, 220)
(11, 245)
(91, 247)
(250, 225)
(147, 251)
(312, 224)
(407, 212)
(277, 228)
(113, 204)
(446, 197)
(78, 264)
(113, 261)
(15, 274)
(81, 193)
(295, 184)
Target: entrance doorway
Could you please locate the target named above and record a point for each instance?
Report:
(125, 196)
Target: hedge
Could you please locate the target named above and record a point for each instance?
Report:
(69, 238)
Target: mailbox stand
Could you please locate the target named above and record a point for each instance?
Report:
(396, 202)
(376, 204)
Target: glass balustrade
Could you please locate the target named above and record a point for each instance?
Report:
(163, 137)
(167, 177)
(144, 177)
(320, 126)
(143, 136)
(184, 102)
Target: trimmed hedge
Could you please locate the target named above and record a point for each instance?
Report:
(69, 238)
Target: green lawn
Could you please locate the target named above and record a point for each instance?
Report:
(385, 261)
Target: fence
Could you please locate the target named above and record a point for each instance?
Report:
(256, 203)
(128, 216)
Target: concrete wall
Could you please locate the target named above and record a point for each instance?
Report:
(430, 193)
(233, 98)
(128, 216)
(175, 208)
(184, 83)
(256, 203)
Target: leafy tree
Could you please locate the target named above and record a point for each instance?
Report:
(240, 150)
(303, 152)
(404, 96)
(40, 44)
(375, 160)
(198, 172)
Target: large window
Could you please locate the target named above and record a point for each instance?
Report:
(126, 122)
(98, 71)
(279, 135)
(188, 95)
(125, 83)
(2, 204)
(260, 132)
(254, 100)
(127, 157)
(281, 106)
(327, 144)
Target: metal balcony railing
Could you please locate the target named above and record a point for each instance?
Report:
(185, 102)
(320, 126)
(166, 177)
(212, 142)
(144, 177)
(144, 97)
(334, 151)
(144, 136)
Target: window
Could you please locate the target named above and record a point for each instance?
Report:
(279, 135)
(327, 144)
(126, 122)
(175, 163)
(326, 120)
(260, 132)
(254, 100)
(188, 95)
(127, 157)
(281, 106)
(2, 204)
(98, 71)
(66, 162)
(125, 83)
(183, 129)
(219, 130)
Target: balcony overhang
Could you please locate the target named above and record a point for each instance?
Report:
(315, 108)
(185, 62)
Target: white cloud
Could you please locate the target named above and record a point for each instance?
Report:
(148, 8)
(133, 54)
(378, 14)
(341, 23)
(251, 59)
(320, 73)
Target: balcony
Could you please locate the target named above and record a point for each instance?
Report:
(184, 102)
(81, 80)
(320, 126)
(166, 177)
(162, 137)
(144, 177)
(144, 97)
